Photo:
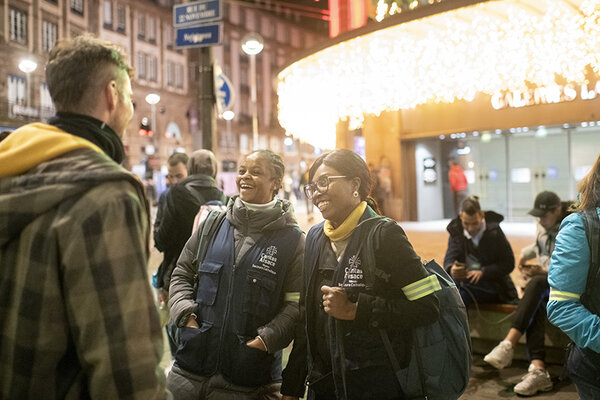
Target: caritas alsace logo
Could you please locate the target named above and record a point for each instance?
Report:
(353, 273)
(267, 260)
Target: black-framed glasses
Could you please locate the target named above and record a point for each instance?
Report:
(321, 184)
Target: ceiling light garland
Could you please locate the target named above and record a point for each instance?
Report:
(441, 58)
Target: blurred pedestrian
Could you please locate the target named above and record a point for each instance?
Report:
(530, 317)
(479, 257)
(238, 305)
(177, 172)
(458, 184)
(343, 316)
(574, 304)
(77, 318)
(182, 204)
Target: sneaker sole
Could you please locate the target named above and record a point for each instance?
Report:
(544, 389)
(496, 364)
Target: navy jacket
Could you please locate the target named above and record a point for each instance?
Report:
(496, 255)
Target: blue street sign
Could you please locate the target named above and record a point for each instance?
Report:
(198, 12)
(225, 93)
(199, 36)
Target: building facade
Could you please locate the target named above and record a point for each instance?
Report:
(145, 30)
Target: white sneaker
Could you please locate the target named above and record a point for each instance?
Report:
(501, 356)
(536, 380)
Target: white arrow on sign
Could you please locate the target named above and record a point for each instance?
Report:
(224, 91)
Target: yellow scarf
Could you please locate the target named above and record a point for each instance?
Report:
(345, 229)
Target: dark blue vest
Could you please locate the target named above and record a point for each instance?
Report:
(233, 302)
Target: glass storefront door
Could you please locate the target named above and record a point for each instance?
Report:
(508, 169)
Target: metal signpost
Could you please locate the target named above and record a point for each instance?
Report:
(199, 25)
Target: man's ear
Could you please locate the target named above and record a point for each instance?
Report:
(111, 92)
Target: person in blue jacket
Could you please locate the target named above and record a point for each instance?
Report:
(573, 307)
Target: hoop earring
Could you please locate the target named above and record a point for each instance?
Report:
(355, 194)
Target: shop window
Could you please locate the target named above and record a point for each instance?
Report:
(141, 20)
(179, 75)
(151, 30)
(141, 65)
(169, 36)
(121, 19)
(108, 14)
(296, 41)
(170, 74)
(77, 6)
(49, 30)
(152, 69)
(46, 104)
(18, 26)
(16, 89)
(282, 33)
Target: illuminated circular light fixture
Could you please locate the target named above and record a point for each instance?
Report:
(228, 115)
(152, 99)
(252, 43)
(488, 48)
(27, 66)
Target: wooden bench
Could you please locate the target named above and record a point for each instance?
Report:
(492, 323)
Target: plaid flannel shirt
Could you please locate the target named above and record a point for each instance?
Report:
(77, 319)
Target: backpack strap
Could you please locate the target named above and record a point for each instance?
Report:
(592, 232)
(367, 251)
(209, 227)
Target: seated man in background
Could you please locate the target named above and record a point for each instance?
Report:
(530, 316)
(479, 257)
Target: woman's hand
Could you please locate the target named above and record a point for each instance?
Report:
(336, 303)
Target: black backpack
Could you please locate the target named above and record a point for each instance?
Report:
(440, 363)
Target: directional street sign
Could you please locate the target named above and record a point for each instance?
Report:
(198, 12)
(224, 91)
(200, 36)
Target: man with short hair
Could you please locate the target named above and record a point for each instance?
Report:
(77, 319)
(479, 257)
(530, 317)
(177, 171)
(182, 204)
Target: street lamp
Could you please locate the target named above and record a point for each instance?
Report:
(252, 44)
(228, 115)
(28, 66)
(153, 99)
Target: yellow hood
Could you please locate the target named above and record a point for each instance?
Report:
(35, 143)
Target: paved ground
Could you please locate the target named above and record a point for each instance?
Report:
(430, 240)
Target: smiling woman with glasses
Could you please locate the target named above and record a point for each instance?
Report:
(321, 184)
(342, 312)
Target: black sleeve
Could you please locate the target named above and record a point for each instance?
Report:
(390, 308)
(503, 261)
(455, 252)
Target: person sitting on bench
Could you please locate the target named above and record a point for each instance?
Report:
(530, 316)
(479, 258)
